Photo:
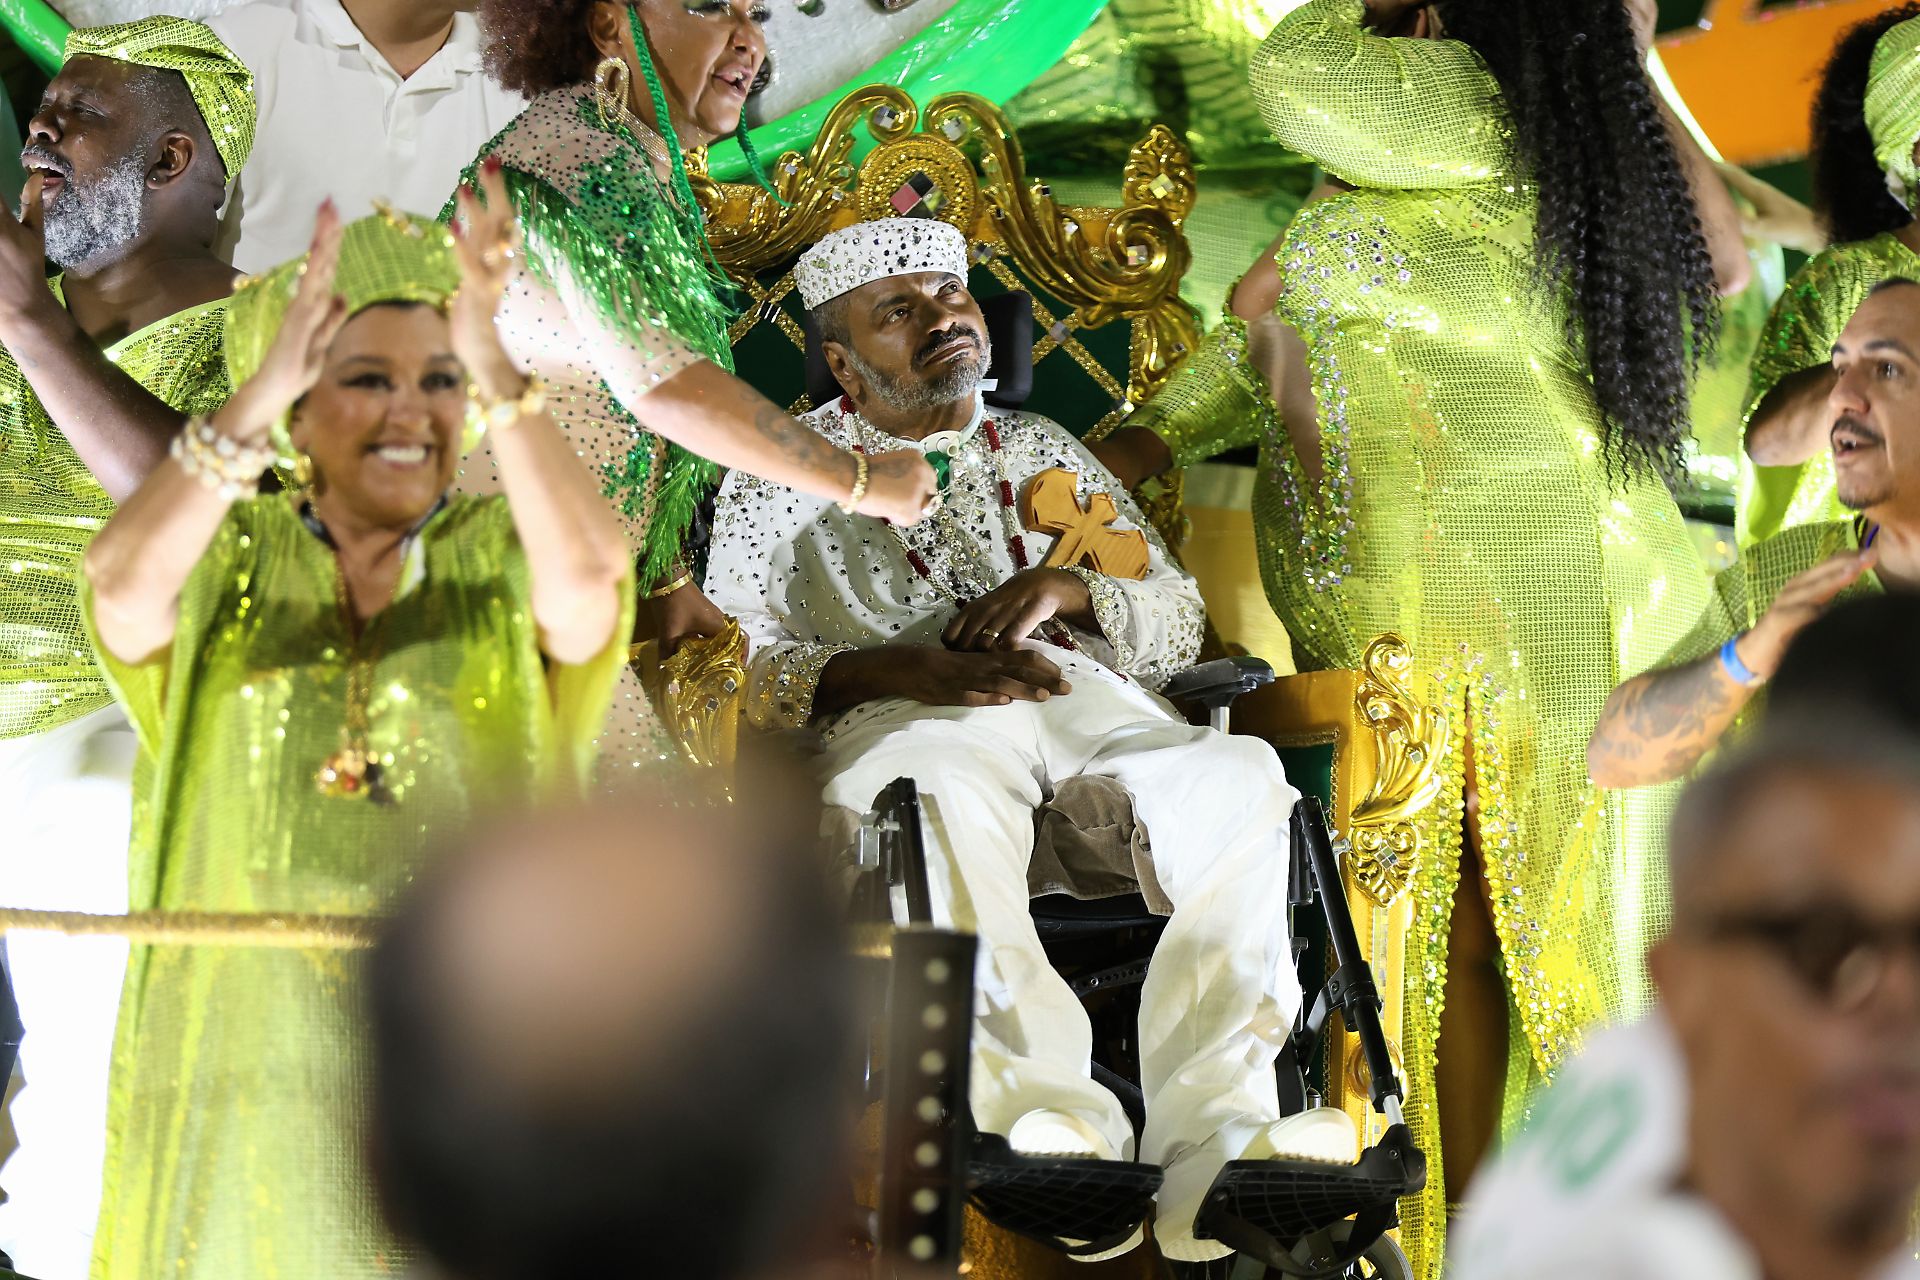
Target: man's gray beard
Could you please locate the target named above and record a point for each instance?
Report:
(904, 396)
(84, 225)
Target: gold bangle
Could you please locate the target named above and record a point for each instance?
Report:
(860, 477)
(505, 412)
(685, 579)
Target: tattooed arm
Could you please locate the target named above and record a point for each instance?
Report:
(707, 410)
(1657, 726)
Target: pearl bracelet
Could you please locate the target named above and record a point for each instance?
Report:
(218, 461)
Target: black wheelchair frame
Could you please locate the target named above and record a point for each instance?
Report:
(1298, 1218)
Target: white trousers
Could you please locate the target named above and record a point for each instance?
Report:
(67, 800)
(1221, 992)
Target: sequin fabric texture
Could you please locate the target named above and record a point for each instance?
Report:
(51, 506)
(1466, 504)
(617, 296)
(1806, 322)
(234, 1108)
(809, 581)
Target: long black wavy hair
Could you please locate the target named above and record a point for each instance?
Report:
(1617, 229)
(1849, 188)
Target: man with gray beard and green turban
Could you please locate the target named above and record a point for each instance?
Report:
(129, 155)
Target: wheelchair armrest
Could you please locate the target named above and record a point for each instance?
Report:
(1216, 684)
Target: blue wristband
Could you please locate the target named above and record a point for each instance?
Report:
(1730, 662)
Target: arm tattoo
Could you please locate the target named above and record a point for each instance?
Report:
(796, 441)
(1657, 726)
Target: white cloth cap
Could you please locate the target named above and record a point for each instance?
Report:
(869, 251)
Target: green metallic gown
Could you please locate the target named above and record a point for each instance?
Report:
(1467, 506)
(51, 506)
(235, 1147)
(1806, 321)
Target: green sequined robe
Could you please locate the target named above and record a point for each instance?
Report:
(51, 506)
(1467, 506)
(1806, 322)
(235, 1137)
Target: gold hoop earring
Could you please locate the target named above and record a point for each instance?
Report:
(612, 80)
(303, 470)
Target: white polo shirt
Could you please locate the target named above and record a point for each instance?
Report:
(337, 120)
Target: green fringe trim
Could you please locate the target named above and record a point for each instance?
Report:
(641, 265)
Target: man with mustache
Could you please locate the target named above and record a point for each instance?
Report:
(951, 653)
(1765, 1120)
(1659, 725)
(128, 156)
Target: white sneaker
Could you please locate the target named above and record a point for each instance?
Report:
(1058, 1133)
(1326, 1134)
(1063, 1134)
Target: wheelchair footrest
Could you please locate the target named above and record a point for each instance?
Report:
(1075, 1205)
(1281, 1211)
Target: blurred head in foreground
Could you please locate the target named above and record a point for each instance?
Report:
(1792, 981)
(1855, 658)
(611, 1043)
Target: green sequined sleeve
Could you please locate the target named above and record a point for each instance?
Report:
(1216, 401)
(1808, 318)
(1378, 111)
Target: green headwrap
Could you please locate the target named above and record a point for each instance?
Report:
(385, 257)
(1893, 107)
(221, 85)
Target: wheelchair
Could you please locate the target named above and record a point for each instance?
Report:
(1290, 1218)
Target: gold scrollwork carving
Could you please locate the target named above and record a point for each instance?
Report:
(697, 693)
(751, 231)
(1408, 741)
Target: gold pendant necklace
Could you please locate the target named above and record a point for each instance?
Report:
(353, 772)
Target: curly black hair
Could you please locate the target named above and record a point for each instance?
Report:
(1849, 189)
(537, 45)
(1617, 227)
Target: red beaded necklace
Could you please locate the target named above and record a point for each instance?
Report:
(1054, 631)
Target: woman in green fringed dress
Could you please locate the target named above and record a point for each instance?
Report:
(324, 683)
(619, 304)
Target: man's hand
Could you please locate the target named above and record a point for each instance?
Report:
(944, 678)
(900, 487)
(1014, 610)
(1804, 598)
(683, 615)
(23, 257)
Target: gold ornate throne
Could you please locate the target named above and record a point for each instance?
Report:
(1110, 323)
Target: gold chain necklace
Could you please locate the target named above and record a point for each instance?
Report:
(354, 772)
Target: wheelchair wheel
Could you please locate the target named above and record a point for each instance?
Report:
(1384, 1260)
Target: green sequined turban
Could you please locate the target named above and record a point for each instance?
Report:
(221, 85)
(385, 257)
(1893, 107)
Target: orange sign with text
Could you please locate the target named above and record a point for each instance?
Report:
(1749, 71)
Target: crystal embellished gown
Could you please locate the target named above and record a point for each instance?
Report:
(235, 1111)
(616, 296)
(1806, 322)
(1466, 505)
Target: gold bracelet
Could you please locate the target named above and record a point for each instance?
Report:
(685, 579)
(860, 477)
(505, 412)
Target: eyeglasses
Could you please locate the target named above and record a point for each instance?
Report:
(1839, 956)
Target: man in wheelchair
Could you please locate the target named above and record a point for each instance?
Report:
(1012, 642)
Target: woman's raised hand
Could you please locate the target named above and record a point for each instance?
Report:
(486, 238)
(299, 351)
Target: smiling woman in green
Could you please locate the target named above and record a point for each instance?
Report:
(323, 684)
